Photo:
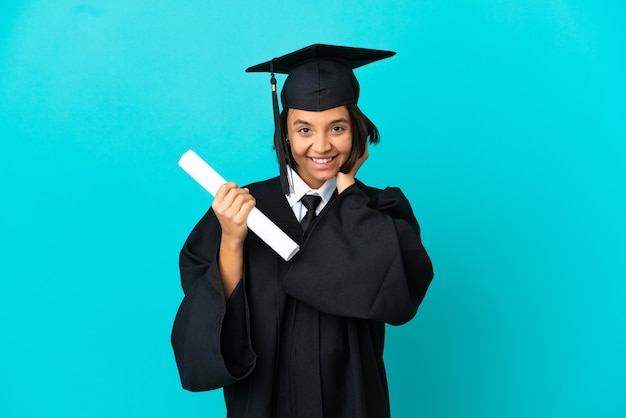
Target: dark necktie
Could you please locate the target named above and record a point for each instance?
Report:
(310, 202)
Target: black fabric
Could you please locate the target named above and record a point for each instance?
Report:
(303, 338)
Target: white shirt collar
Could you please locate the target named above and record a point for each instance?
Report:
(300, 188)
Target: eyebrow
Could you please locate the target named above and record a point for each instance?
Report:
(332, 122)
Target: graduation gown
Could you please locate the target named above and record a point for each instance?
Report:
(302, 338)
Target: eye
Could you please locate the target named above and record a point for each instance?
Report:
(338, 129)
(304, 130)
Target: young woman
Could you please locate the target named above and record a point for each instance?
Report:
(303, 338)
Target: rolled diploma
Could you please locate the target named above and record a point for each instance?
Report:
(260, 224)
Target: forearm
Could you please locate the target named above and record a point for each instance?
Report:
(344, 181)
(230, 263)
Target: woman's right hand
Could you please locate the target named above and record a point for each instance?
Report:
(231, 205)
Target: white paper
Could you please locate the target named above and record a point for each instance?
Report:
(260, 224)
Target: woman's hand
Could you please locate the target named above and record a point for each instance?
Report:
(232, 205)
(345, 180)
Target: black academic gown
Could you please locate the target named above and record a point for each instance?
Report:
(303, 338)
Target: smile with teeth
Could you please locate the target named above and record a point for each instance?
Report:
(322, 160)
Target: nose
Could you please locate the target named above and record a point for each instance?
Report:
(321, 143)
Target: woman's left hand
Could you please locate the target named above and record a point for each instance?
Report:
(345, 180)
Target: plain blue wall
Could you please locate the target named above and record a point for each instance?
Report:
(503, 121)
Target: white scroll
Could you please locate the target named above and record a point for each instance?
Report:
(260, 224)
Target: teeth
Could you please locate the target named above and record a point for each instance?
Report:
(322, 160)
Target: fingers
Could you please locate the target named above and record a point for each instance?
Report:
(366, 153)
(345, 180)
(232, 205)
(357, 165)
(231, 200)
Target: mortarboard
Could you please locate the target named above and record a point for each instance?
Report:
(319, 78)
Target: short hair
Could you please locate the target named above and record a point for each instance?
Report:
(363, 129)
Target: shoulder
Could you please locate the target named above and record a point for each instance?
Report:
(377, 193)
(368, 190)
(268, 193)
(269, 186)
(389, 199)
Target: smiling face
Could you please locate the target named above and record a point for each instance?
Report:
(320, 143)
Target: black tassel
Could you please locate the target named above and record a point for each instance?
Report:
(282, 152)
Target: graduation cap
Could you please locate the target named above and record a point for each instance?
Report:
(319, 78)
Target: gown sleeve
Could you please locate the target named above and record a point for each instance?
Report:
(363, 258)
(211, 335)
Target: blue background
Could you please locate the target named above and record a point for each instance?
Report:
(502, 121)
